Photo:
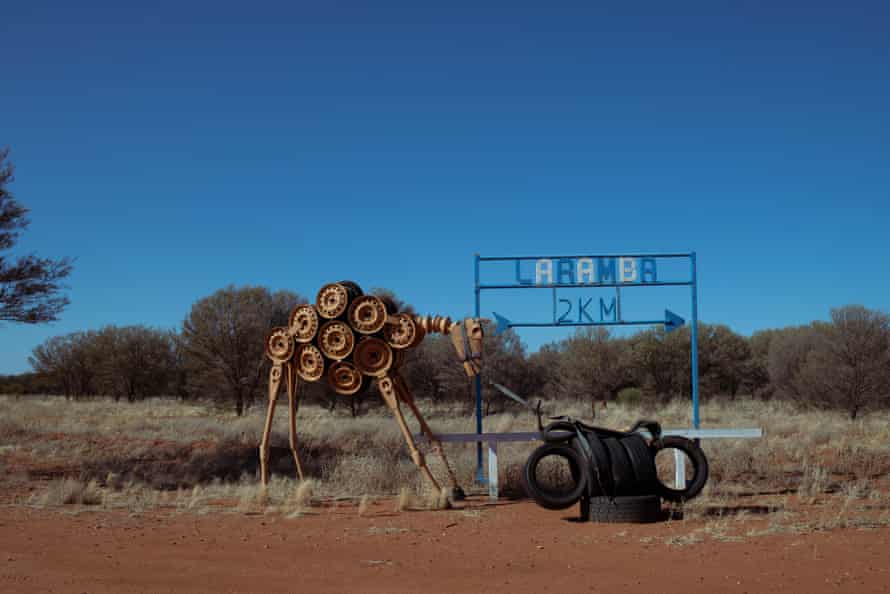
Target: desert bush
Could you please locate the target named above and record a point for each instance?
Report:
(70, 491)
(222, 341)
(630, 397)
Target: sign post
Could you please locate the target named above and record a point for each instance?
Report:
(480, 475)
(598, 271)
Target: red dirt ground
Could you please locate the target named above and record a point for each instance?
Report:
(508, 547)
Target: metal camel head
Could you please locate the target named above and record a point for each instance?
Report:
(467, 337)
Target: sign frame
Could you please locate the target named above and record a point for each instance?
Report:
(692, 283)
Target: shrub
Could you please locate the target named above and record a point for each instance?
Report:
(630, 397)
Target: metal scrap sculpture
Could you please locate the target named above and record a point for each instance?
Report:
(351, 339)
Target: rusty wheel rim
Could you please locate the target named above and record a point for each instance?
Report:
(310, 362)
(279, 344)
(303, 323)
(344, 378)
(336, 340)
(402, 334)
(332, 300)
(373, 357)
(367, 314)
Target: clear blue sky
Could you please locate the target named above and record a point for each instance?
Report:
(176, 147)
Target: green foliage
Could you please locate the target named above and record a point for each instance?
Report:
(30, 287)
(630, 397)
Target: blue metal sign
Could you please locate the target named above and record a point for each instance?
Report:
(616, 271)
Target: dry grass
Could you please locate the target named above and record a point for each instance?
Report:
(432, 500)
(364, 504)
(169, 455)
(71, 491)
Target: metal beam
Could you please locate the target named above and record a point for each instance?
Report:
(589, 286)
(728, 433)
(637, 255)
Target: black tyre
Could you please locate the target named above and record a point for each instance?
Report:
(549, 496)
(643, 463)
(640, 509)
(699, 464)
(599, 470)
(623, 477)
(558, 432)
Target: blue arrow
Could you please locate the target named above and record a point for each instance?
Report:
(672, 321)
(502, 323)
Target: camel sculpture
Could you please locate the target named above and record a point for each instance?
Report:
(353, 339)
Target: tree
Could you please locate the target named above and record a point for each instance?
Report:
(68, 362)
(133, 362)
(504, 362)
(757, 377)
(849, 365)
(223, 341)
(661, 361)
(594, 366)
(788, 352)
(724, 360)
(30, 287)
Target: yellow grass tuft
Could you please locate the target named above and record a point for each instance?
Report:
(434, 500)
(404, 500)
(300, 500)
(363, 505)
(439, 500)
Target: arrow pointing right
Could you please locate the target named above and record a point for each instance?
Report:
(672, 321)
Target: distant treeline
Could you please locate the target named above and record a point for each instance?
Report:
(217, 356)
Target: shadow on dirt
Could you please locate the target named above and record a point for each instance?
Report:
(735, 510)
(174, 466)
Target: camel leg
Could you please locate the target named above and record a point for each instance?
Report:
(408, 398)
(293, 397)
(387, 389)
(274, 385)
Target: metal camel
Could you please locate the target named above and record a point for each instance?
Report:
(352, 339)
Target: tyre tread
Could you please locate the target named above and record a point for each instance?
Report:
(638, 509)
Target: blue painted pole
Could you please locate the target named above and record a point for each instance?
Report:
(695, 416)
(480, 475)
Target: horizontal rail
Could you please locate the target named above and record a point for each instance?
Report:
(511, 258)
(744, 433)
(588, 285)
(485, 437)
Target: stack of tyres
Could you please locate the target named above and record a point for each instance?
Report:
(613, 473)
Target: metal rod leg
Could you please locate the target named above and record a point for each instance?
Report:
(408, 399)
(388, 391)
(293, 402)
(274, 385)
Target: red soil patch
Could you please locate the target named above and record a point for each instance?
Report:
(509, 547)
